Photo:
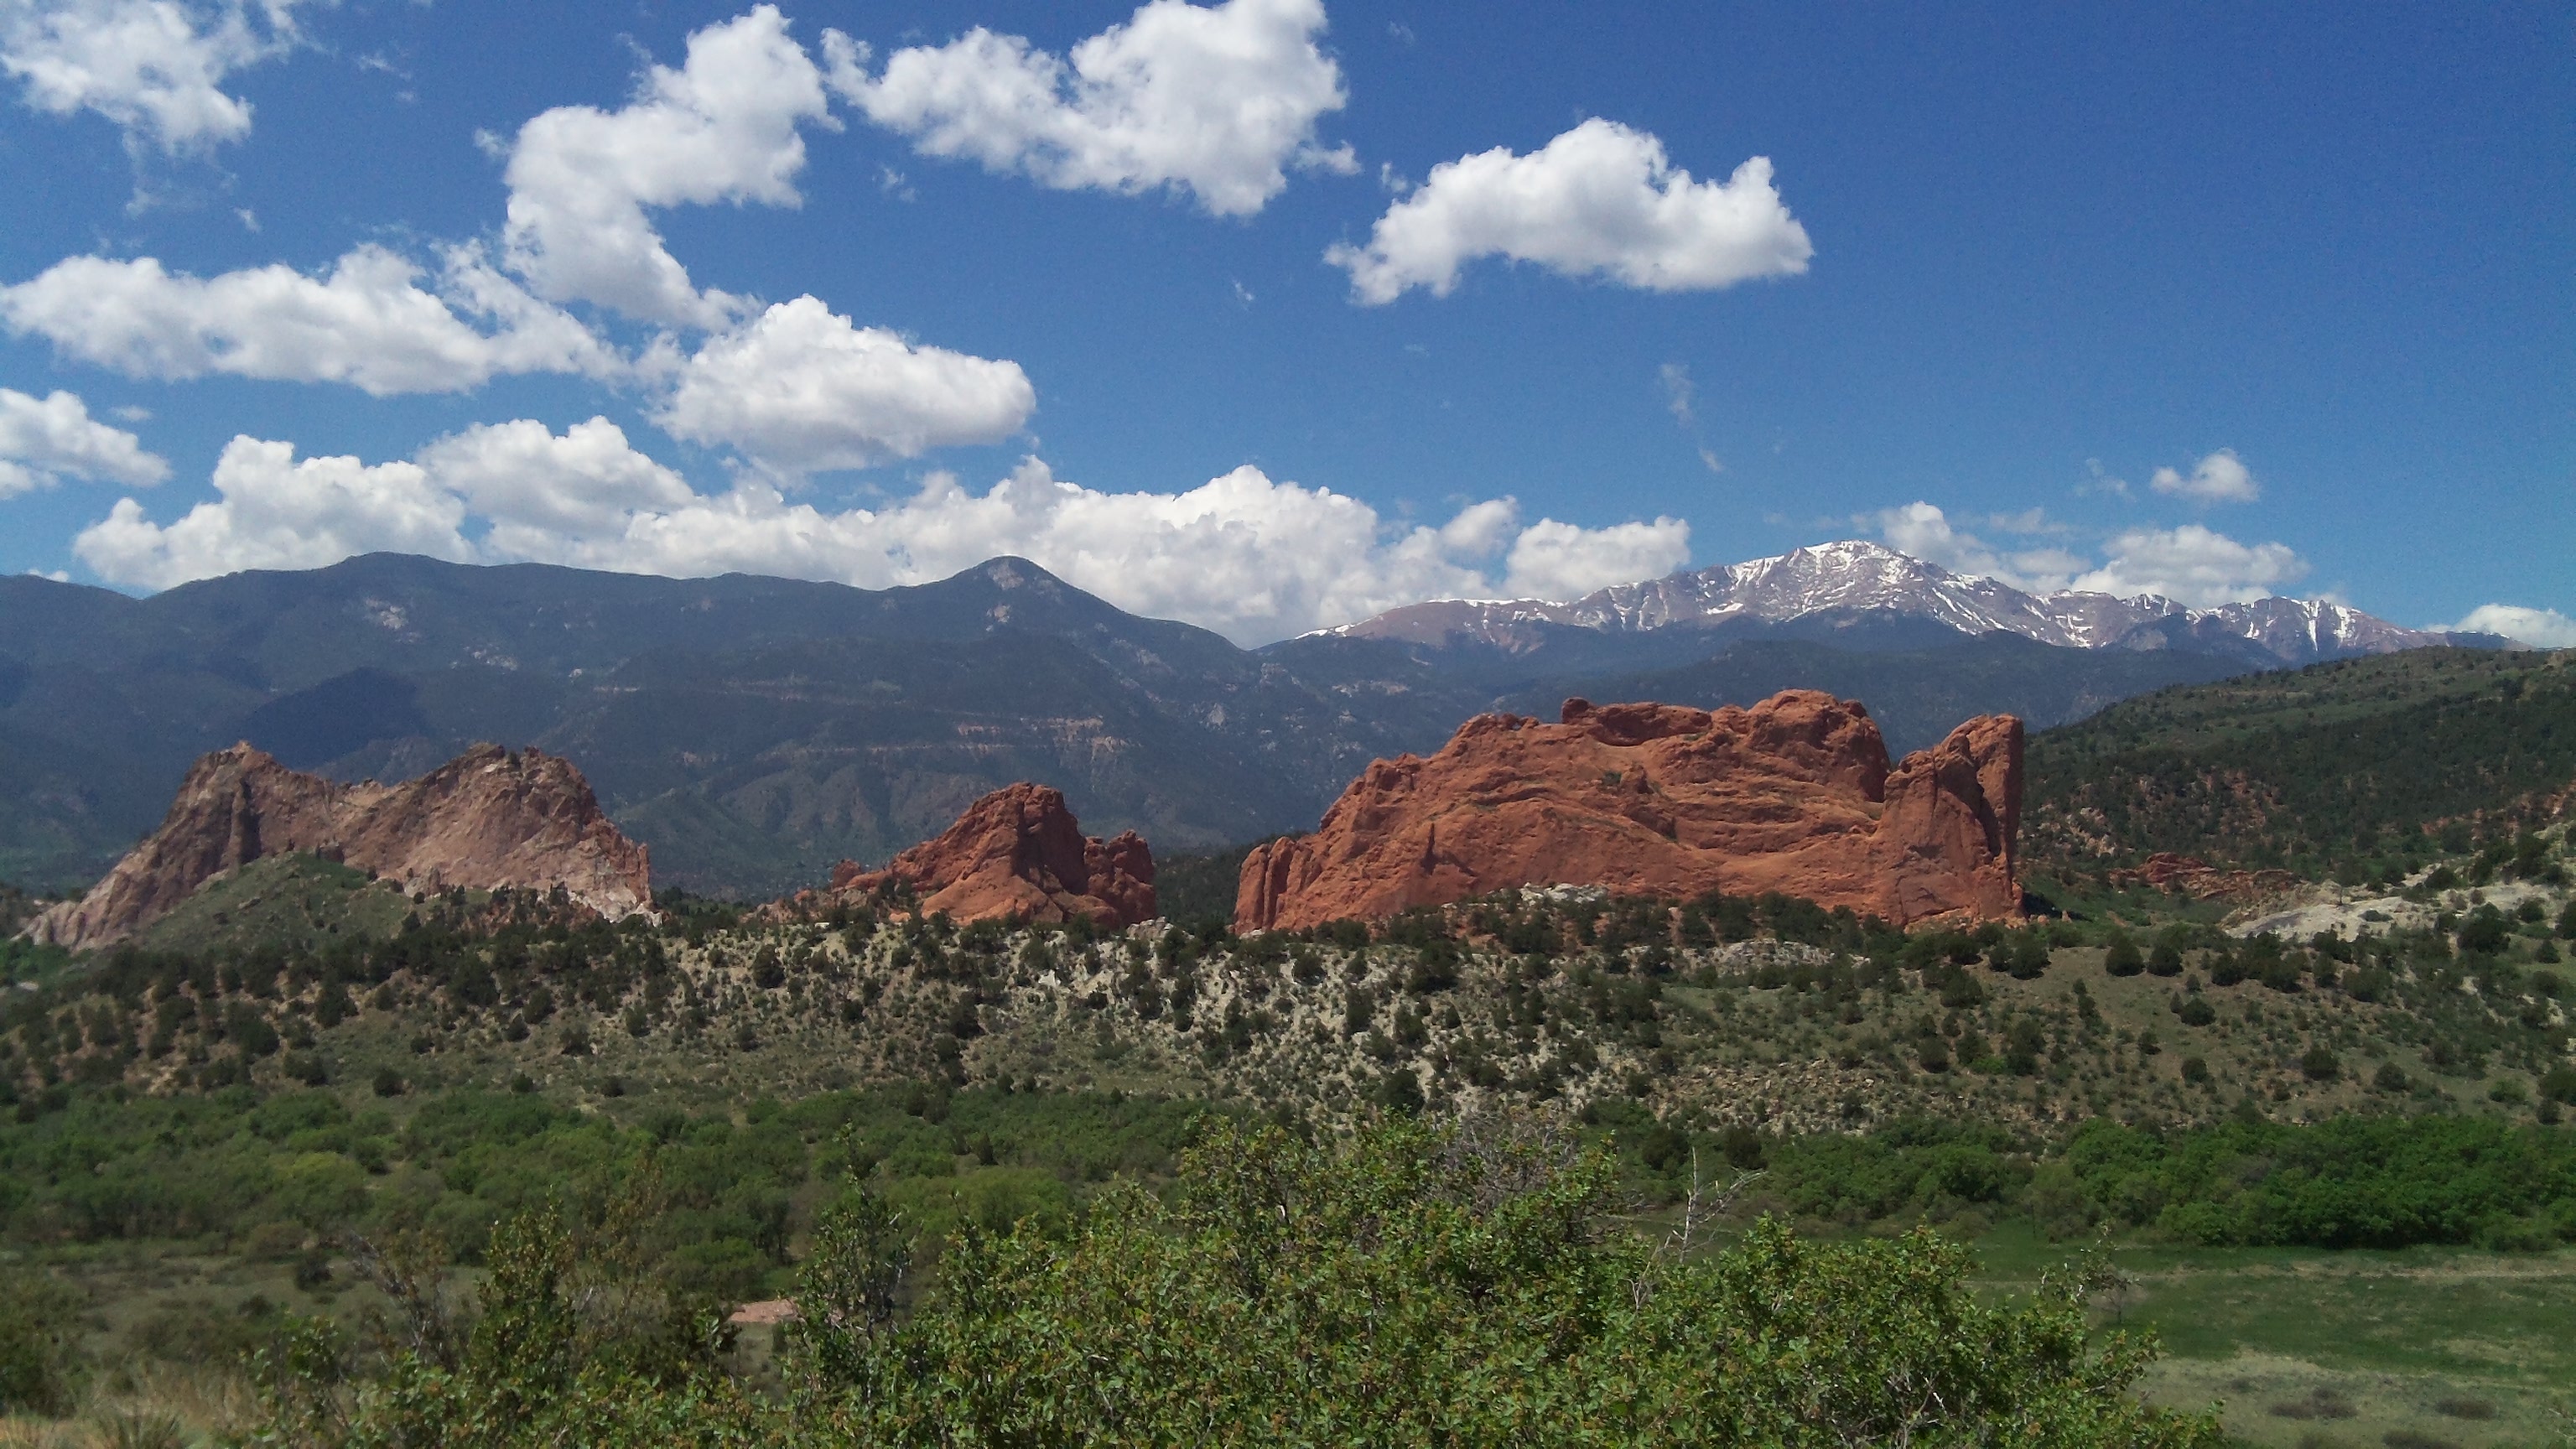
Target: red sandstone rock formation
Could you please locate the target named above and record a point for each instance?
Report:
(1793, 795)
(2187, 876)
(486, 820)
(1018, 854)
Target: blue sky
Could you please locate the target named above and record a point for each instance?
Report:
(2213, 301)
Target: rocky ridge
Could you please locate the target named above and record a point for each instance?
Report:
(486, 820)
(1017, 854)
(2191, 876)
(1795, 795)
(1856, 575)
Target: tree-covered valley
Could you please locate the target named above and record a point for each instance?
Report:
(308, 1086)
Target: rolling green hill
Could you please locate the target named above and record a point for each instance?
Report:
(289, 902)
(2353, 769)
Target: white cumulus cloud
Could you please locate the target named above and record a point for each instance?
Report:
(273, 512)
(800, 389)
(722, 127)
(1249, 556)
(2193, 565)
(369, 322)
(2222, 477)
(1926, 532)
(156, 68)
(1553, 560)
(538, 488)
(2547, 628)
(45, 439)
(794, 388)
(1482, 530)
(1601, 200)
(1214, 101)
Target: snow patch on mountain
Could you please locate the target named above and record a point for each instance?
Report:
(1855, 575)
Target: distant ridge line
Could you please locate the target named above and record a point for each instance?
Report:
(1857, 575)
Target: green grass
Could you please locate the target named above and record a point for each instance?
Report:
(2316, 1348)
(2494, 1319)
(290, 901)
(24, 961)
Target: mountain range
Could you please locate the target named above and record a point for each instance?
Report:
(1856, 576)
(754, 730)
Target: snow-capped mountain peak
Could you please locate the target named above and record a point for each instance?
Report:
(1856, 575)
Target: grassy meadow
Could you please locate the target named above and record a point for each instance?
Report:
(2414, 1348)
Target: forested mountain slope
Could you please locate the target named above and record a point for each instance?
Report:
(2352, 768)
(751, 731)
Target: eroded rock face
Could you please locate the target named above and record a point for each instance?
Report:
(1793, 795)
(2190, 876)
(486, 820)
(1019, 854)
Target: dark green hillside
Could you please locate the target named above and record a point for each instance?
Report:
(2351, 768)
(750, 730)
(811, 752)
(289, 902)
(1195, 890)
(67, 811)
(15, 907)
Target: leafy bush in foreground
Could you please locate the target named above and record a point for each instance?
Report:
(1407, 1286)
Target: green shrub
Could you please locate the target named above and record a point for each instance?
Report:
(37, 1334)
(2123, 957)
(1405, 1286)
(2354, 1181)
(2166, 958)
(1961, 991)
(2022, 955)
(2485, 931)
